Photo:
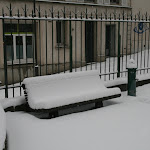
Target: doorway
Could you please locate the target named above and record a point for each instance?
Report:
(89, 41)
(110, 40)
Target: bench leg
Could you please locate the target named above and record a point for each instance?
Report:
(99, 104)
(53, 114)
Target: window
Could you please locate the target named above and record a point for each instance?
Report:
(60, 25)
(19, 47)
(114, 1)
(19, 42)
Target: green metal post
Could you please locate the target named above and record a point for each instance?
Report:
(119, 45)
(5, 60)
(131, 81)
(70, 49)
(35, 42)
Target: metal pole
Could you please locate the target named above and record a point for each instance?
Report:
(5, 59)
(35, 43)
(119, 37)
(34, 7)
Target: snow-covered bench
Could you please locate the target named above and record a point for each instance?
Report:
(61, 91)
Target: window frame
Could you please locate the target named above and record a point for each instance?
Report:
(15, 60)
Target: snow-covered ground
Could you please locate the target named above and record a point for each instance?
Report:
(123, 125)
(2, 127)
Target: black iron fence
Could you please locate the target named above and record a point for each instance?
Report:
(37, 43)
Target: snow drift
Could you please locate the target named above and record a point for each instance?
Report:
(2, 127)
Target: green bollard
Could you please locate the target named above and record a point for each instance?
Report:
(131, 78)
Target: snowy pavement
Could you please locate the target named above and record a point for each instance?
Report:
(123, 125)
(2, 127)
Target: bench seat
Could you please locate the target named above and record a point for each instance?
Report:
(53, 91)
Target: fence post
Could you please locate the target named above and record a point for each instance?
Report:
(35, 43)
(5, 60)
(119, 40)
(70, 45)
(131, 78)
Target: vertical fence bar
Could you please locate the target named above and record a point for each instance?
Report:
(141, 46)
(5, 57)
(122, 45)
(19, 42)
(52, 14)
(75, 40)
(64, 40)
(105, 47)
(131, 37)
(26, 30)
(58, 44)
(114, 45)
(145, 46)
(134, 38)
(46, 40)
(101, 45)
(12, 51)
(81, 44)
(35, 42)
(138, 43)
(39, 30)
(86, 15)
(118, 74)
(126, 40)
(33, 45)
(70, 28)
(148, 48)
(110, 47)
(96, 38)
(92, 42)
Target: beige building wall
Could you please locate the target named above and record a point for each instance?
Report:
(140, 5)
(58, 54)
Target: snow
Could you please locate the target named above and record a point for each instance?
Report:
(12, 102)
(65, 89)
(124, 126)
(2, 127)
(131, 64)
(109, 66)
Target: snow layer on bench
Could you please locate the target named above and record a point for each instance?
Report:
(123, 126)
(66, 89)
(2, 127)
(12, 102)
(56, 77)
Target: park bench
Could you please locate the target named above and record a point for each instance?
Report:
(54, 93)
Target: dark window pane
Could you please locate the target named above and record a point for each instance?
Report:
(29, 46)
(25, 27)
(19, 47)
(10, 27)
(18, 28)
(114, 1)
(9, 47)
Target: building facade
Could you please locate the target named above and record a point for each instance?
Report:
(41, 46)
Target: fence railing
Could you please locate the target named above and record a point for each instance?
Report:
(49, 41)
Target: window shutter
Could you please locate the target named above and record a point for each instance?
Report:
(107, 2)
(99, 1)
(124, 3)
